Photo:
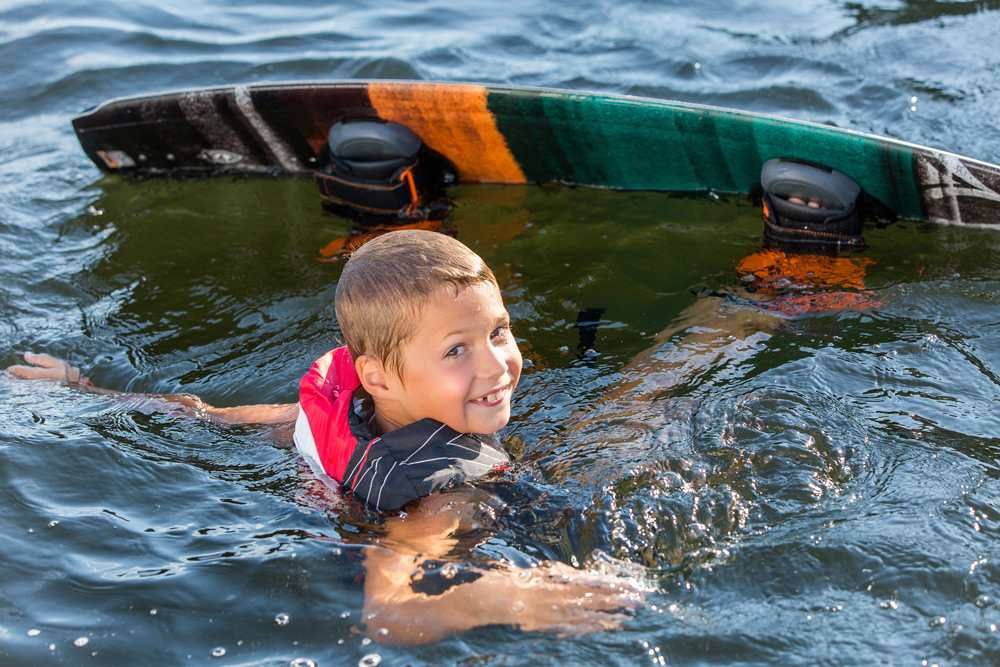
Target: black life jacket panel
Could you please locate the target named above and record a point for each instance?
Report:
(389, 471)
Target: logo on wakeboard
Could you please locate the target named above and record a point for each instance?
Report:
(220, 156)
(116, 159)
(954, 190)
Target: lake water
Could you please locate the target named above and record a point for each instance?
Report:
(824, 491)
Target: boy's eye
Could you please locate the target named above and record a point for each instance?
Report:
(454, 351)
(500, 332)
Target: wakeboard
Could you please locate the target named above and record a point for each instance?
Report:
(509, 134)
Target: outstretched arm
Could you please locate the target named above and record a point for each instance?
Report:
(46, 367)
(551, 596)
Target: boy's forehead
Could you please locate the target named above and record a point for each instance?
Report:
(449, 292)
(461, 301)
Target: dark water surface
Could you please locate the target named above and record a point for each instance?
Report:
(823, 491)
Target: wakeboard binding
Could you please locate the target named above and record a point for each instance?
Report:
(808, 204)
(377, 170)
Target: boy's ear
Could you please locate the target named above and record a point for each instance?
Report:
(374, 377)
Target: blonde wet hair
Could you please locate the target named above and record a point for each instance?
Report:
(387, 283)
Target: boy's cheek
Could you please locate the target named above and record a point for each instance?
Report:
(517, 359)
(515, 369)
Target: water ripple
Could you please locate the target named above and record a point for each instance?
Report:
(826, 488)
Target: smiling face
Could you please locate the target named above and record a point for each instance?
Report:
(460, 366)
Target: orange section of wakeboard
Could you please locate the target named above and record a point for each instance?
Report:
(455, 121)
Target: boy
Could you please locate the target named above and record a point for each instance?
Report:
(408, 407)
(429, 360)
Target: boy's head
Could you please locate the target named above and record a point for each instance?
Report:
(389, 280)
(424, 321)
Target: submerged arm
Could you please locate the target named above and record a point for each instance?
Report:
(550, 597)
(44, 366)
(717, 333)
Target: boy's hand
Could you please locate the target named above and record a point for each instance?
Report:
(555, 597)
(46, 367)
(551, 597)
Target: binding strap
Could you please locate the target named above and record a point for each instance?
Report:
(398, 193)
(374, 167)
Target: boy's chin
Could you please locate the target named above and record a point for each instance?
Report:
(486, 424)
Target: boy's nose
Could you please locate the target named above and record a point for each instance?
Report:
(493, 362)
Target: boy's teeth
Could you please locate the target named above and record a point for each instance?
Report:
(489, 398)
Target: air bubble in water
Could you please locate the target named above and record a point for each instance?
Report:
(449, 571)
(218, 652)
(80, 641)
(302, 662)
(517, 606)
(34, 633)
(370, 660)
(282, 619)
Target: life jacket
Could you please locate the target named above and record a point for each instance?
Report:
(334, 433)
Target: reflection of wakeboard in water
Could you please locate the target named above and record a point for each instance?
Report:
(795, 284)
(343, 246)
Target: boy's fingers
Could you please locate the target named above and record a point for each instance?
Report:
(44, 360)
(616, 604)
(587, 626)
(37, 373)
(565, 575)
(45, 367)
(606, 604)
(596, 622)
(566, 618)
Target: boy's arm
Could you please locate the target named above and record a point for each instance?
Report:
(44, 366)
(551, 597)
